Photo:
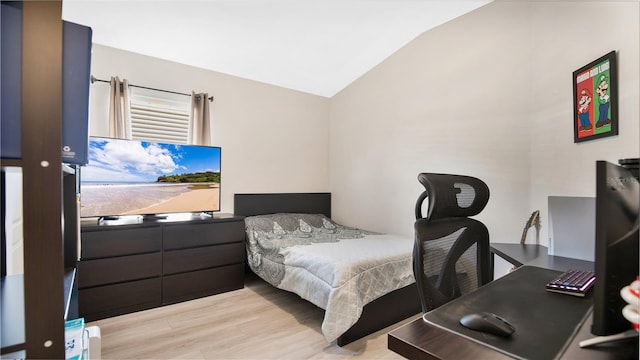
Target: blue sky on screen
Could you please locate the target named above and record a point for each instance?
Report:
(117, 160)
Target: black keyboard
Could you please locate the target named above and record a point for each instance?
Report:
(572, 282)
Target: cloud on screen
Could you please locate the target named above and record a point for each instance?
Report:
(130, 161)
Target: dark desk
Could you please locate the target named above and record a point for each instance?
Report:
(422, 340)
(536, 255)
(419, 340)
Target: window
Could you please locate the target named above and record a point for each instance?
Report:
(159, 116)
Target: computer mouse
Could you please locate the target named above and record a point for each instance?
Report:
(489, 323)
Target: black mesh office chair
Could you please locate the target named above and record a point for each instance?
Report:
(451, 252)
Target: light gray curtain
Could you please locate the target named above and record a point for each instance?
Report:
(119, 110)
(200, 121)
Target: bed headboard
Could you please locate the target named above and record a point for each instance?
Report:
(262, 204)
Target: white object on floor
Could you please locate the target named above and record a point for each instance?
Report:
(95, 342)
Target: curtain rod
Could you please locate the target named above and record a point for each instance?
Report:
(94, 79)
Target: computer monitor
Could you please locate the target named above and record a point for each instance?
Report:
(616, 245)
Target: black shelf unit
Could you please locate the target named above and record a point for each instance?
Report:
(12, 296)
(13, 307)
(36, 303)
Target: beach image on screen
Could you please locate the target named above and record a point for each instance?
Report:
(130, 177)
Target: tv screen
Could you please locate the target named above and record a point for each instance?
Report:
(133, 177)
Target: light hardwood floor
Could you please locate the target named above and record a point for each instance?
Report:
(257, 322)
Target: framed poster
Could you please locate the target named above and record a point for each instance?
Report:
(595, 99)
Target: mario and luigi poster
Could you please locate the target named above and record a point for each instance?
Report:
(595, 99)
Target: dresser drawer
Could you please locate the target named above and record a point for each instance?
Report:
(203, 257)
(193, 235)
(111, 300)
(108, 243)
(200, 283)
(119, 269)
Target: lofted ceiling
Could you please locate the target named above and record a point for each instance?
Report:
(314, 46)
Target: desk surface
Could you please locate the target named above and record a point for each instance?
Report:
(537, 255)
(419, 340)
(422, 340)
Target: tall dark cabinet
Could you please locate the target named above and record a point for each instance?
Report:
(36, 303)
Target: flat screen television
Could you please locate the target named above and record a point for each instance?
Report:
(134, 177)
(616, 245)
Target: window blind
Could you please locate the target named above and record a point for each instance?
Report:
(156, 116)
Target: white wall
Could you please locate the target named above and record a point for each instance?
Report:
(273, 139)
(444, 103)
(567, 37)
(489, 95)
(13, 221)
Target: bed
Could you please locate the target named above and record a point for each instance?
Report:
(293, 244)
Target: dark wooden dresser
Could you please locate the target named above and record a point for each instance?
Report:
(132, 264)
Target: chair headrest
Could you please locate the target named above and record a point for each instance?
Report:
(452, 195)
